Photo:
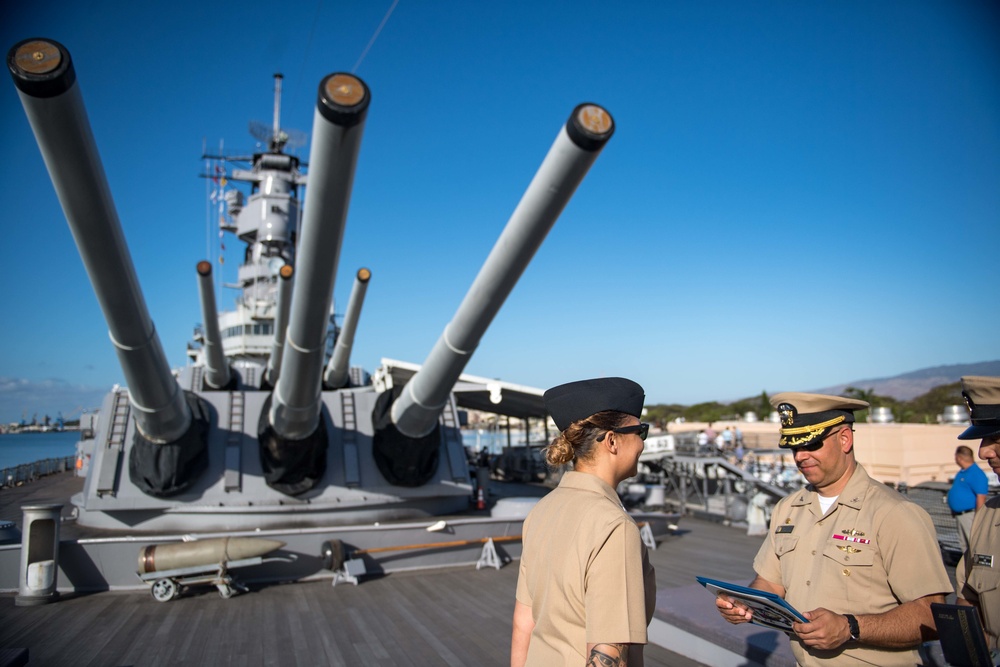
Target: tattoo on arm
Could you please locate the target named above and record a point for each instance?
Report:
(608, 655)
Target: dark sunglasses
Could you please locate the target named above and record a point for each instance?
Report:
(641, 429)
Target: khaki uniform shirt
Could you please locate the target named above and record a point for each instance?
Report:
(978, 573)
(584, 572)
(871, 552)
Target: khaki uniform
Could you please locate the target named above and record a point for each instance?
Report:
(870, 553)
(584, 572)
(978, 576)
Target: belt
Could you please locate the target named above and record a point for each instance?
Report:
(963, 512)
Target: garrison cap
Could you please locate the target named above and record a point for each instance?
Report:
(805, 418)
(982, 395)
(574, 401)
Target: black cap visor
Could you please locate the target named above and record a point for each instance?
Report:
(981, 430)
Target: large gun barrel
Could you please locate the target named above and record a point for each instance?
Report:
(282, 308)
(46, 82)
(338, 368)
(416, 411)
(216, 367)
(338, 124)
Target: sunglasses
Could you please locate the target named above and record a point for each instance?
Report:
(641, 429)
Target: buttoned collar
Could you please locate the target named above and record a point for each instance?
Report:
(584, 481)
(852, 495)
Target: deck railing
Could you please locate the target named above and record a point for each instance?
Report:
(27, 472)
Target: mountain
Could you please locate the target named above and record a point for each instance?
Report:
(910, 385)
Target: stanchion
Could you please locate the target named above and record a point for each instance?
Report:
(39, 554)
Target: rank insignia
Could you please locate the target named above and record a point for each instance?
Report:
(984, 560)
(784, 529)
(786, 412)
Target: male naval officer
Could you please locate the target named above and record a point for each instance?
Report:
(860, 562)
(978, 573)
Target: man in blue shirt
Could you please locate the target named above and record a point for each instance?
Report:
(967, 493)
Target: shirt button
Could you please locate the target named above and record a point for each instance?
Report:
(808, 583)
(814, 552)
(847, 572)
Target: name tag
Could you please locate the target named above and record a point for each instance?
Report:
(985, 560)
(784, 529)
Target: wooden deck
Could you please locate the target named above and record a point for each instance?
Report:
(459, 616)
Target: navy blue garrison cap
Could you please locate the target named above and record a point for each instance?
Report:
(578, 400)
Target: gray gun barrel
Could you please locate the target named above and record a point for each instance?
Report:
(339, 366)
(338, 124)
(282, 308)
(416, 411)
(46, 82)
(216, 367)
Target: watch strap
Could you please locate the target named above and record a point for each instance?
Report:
(852, 626)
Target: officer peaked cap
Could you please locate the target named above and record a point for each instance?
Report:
(982, 395)
(578, 400)
(806, 418)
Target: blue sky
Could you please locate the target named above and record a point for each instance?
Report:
(797, 194)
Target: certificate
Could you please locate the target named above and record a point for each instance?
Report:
(769, 610)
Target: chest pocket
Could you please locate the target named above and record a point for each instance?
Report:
(986, 582)
(783, 544)
(849, 576)
(984, 579)
(784, 549)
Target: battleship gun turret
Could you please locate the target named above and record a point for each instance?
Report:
(571, 156)
(406, 442)
(270, 426)
(216, 367)
(170, 450)
(283, 307)
(336, 375)
(294, 442)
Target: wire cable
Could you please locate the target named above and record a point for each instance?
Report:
(381, 25)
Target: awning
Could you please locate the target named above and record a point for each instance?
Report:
(475, 393)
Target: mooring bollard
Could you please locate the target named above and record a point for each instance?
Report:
(39, 554)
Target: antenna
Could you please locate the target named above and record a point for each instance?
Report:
(276, 137)
(277, 103)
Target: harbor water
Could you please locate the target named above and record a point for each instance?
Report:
(494, 440)
(20, 448)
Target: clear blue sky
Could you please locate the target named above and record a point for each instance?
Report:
(798, 194)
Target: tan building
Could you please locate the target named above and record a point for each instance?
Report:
(891, 453)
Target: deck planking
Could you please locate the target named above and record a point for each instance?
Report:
(455, 616)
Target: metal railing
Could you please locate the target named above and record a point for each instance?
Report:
(27, 472)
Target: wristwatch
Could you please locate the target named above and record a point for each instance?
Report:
(852, 627)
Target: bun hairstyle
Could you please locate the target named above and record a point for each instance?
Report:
(577, 441)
